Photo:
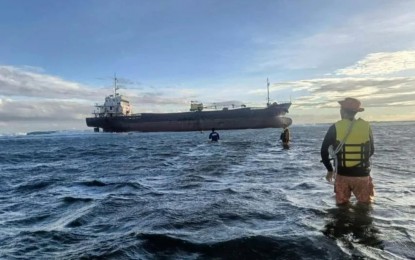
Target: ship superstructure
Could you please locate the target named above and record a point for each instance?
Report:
(114, 105)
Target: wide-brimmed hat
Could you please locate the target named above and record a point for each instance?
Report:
(351, 104)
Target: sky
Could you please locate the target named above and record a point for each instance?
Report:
(58, 58)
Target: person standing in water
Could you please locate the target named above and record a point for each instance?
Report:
(285, 136)
(350, 143)
(214, 136)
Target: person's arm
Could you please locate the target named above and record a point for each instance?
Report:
(329, 139)
(372, 145)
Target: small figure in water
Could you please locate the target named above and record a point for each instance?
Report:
(214, 136)
(285, 137)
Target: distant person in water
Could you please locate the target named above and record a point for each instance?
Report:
(285, 137)
(214, 136)
(350, 142)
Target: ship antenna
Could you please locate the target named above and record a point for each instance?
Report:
(268, 93)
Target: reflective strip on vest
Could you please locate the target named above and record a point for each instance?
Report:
(356, 149)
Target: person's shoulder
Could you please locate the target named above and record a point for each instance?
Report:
(364, 121)
(332, 129)
(361, 119)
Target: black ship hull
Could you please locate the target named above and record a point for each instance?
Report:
(243, 118)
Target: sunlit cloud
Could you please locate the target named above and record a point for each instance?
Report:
(380, 64)
(375, 89)
(375, 92)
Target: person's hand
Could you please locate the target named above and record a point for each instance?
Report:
(329, 177)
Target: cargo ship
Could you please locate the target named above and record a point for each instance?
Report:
(115, 115)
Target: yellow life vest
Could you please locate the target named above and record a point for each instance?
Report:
(356, 149)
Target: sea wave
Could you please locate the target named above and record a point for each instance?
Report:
(178, 196)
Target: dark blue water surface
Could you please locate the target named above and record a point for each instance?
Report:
(84, 195)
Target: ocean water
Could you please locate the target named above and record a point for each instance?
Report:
(85, 195)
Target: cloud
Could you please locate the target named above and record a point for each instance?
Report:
(388, 28)
(373, 92)
(49, 111)
(369, 80)
(20, 82)
(30, 97)
(35, 96)
(384, 99)
(28, 83)
(382, 63)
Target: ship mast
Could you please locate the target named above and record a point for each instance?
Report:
(268, 93)
(115, 84)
